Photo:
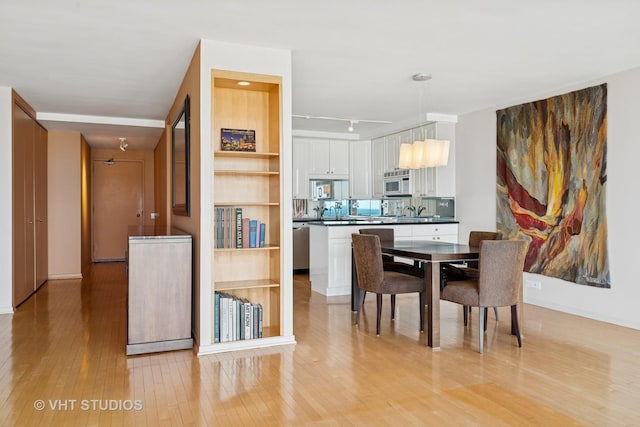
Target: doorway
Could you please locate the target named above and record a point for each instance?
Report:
(118, 203)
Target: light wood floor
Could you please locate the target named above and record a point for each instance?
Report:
(66, 344)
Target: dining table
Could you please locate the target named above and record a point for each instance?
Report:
(430, 254)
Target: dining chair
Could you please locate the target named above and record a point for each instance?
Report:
(372, 277)
(389, 263)
(453, 272)
(498, 284)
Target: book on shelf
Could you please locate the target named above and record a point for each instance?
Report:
(216, 317)
(238, 227)
(233, 230)
(263, 229)
(235, 318)
(245, 232)
(253, 224)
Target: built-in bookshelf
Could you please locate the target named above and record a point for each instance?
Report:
(249, 183)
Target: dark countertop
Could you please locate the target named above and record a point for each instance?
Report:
(390, 221)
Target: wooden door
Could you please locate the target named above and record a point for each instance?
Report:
(118, 202)
(23, 208)
(40, 205)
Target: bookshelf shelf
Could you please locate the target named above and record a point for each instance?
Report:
(245, 154)
(245, 284)
(227, 203)
(249, 183)
(245, 172)
(266, 248)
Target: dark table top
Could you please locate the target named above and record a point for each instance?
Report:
(430, 251)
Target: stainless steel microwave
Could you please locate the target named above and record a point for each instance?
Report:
(398, 183)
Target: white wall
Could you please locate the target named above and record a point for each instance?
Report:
(6, 257)
(476, 202)
(64, 205)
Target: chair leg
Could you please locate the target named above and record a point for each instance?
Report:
(514, 324)
(465, 315)
(486, 317)
(495, 311)
(481, 314)
(393, 307)
(359, 305)
(379, 312)
(423, 302)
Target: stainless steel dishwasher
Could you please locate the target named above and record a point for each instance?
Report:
(300, 246)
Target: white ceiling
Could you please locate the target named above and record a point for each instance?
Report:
(124, 59)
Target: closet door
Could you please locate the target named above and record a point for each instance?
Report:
(24, 128)
(40, 200)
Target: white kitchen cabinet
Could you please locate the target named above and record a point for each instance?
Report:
(328, 159)
(437, 232)
(424, 179)
(360, 169)
(377, 167)
(391, 152)
(330, 250)
(300, 168)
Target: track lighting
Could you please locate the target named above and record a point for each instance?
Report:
(123, 143)
(352, 122)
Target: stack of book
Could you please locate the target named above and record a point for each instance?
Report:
(234, 231)
(235, 318)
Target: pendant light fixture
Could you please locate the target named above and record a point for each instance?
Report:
(423, 153)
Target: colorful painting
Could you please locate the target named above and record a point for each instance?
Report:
(551, 182)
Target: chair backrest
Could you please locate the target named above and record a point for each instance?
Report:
(368, 258)
(386, 235)
(475, 237)
(501, 265)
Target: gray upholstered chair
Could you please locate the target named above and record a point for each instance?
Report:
(387, 235)
(453, 272)
(372, 277)
(498, 284)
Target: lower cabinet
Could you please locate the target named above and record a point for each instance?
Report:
(159, 290)
(330, 251)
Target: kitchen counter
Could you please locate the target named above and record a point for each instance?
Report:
(394, 221)
(330, 246)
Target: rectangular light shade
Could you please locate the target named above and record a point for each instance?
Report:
(424, 154)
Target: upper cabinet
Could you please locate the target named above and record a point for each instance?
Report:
(427, 182)
(377, 167)
(360, 169)
(330, 159)
(301, 150)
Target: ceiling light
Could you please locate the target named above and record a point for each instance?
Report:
(123, 143)
(427, 153)
(243, 83)
(339, 119)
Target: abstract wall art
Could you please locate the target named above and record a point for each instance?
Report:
(551, 184)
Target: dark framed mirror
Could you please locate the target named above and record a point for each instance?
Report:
(180, 162)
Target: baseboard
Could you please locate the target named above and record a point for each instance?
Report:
(6, 310)
(64, 276)
(245, 345)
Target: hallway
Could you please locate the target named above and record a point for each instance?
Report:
(65, 346)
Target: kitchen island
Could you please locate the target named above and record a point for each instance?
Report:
(330, 246)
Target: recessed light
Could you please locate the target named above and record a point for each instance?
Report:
(243, 83)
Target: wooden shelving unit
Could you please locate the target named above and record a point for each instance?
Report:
(251, 181)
